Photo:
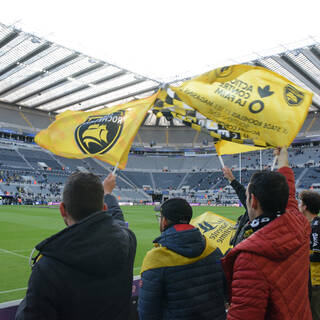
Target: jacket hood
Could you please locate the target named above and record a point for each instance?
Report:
(96, 245)
(278, 239)
(185, 240)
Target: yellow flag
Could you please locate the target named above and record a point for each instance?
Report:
(227, 147)
(105, 134)
(264, 108)
(217, 228)
(169, 105)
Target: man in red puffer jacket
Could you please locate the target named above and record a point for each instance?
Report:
(268, 272)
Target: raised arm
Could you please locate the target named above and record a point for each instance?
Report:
(236, 185)
(113, 207)
(284, 168)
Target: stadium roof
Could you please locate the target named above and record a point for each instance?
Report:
(42, 75)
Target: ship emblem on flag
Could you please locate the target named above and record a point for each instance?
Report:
(98, 134)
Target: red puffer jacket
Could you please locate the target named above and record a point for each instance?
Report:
(268, 272)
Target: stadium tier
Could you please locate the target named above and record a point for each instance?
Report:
(37, 176)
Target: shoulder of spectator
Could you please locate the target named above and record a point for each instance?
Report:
(285, 170)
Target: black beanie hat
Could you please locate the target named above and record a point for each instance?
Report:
(177, 210)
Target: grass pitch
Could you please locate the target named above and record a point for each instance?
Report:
(22, 227)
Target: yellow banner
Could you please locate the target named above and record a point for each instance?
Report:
(105, 134)
(169, 105)
(265, 108)
(217, 228)
(226, 147)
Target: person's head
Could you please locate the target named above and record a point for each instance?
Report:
(267, 192)
(82, 195)
(174, 211)
(309, 202)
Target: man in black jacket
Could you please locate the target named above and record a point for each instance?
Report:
(84, 271)
(241, 193)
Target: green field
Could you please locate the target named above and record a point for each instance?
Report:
(22, 227)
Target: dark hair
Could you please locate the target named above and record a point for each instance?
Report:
(83, 195)
(272, 191)
(311, 200)
(176, 210)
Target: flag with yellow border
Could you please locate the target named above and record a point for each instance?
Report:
(264, 108)
(105, 134)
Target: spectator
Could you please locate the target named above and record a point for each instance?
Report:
(182, 277)
(85, 271)
(243, 220)
(268, 272)
(310, 206)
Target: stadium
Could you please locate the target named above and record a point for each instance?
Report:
(40, 79)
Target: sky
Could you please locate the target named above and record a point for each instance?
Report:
(167, 40)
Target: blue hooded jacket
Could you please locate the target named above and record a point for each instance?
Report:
(182, 277)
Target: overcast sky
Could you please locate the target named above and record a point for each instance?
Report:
(169, 39)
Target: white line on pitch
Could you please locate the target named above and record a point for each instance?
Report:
(13, 290)
(22, 250)
(13, 253)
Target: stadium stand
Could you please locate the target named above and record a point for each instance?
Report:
(41, 174)
(12, 159)
(10, 116)
(72, 164)
(38, 159)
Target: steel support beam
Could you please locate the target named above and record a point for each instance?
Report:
(57, 83)
(25, 58)
(123, 97)
(11, 36)
(39, 75)
(99, 94)
(83, 87)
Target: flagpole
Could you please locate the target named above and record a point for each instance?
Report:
(274, 162)
(221, 161)
(115, 169)
(240, 167)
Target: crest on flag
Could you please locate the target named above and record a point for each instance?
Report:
(293, 96)
(99, 133)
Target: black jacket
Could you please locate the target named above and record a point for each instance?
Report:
(242, 220)
(85, 271)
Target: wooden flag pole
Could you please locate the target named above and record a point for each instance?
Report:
(221, 161)
(115, 169)
(274, 162)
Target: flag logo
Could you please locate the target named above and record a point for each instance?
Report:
(293, 96)
(98, 134)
